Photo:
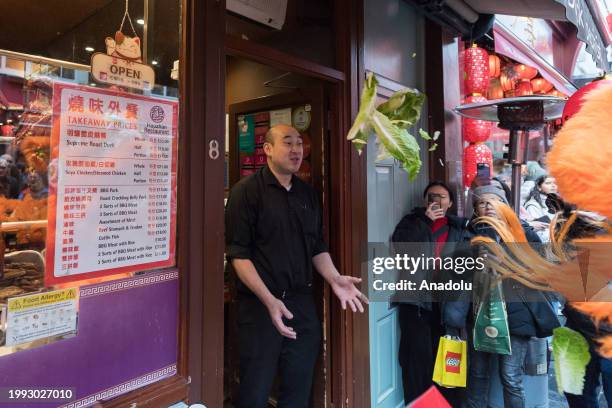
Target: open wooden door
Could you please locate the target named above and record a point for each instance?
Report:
(306, 110)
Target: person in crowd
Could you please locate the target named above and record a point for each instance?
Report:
(459, 316)
(538, 213)
(530, 172)
(435, 230)
(9, 186)
(36, 187)
(273, 239)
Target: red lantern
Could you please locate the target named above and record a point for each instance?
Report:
(472, 155)
(524, 89)
(495, 89)
(476, 67)
(475, 130)
(540, 85)
(525, 71)
(494, 66)
(574, 103)
(507, 82)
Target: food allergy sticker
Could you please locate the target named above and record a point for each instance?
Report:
(41, 315)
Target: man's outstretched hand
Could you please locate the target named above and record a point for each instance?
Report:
(348, 294)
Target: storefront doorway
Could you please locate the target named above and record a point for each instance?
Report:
(259, 96)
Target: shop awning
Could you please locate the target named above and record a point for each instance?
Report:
(578, 12)
(510, 45)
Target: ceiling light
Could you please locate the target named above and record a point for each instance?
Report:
(154, 62)
(140, 21)
(89, 49)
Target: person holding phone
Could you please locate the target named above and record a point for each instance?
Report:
(432, 229)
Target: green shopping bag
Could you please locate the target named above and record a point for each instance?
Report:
(491, 331)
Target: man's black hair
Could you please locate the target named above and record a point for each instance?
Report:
(442, 184)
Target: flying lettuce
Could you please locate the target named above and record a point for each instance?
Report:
(390, 122)
(571, 353)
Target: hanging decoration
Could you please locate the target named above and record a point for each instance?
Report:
(476, 70)
(494, 66)
(472, 155)
(495, 89)
(474, 130)
(479, 68)
(523, 89)
(525, 71)
(122, 65)
(123, 46)
(508, 78)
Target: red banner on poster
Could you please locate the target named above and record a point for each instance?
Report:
(112, 195)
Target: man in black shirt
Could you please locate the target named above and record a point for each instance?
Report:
(273, 239)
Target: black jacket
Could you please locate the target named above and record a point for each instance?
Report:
(523, 305)
(416, 228)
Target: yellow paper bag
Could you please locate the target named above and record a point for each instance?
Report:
(450, 369)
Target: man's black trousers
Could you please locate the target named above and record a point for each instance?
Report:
(264, 352)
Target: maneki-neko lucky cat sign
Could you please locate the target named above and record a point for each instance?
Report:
(122, 64)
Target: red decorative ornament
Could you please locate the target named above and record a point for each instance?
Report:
(574, 103)
(495, 90)
(540, 85)
(476, 68)
(472, 155)
(524, 89)
(525, 71)
(494, 66)
(507, 81)
(475, 130)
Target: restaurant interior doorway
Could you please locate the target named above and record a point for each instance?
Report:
(258, 97)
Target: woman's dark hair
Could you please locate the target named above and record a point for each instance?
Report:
(535, 192)
(440, 184)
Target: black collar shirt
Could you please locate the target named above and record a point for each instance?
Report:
(279, 230)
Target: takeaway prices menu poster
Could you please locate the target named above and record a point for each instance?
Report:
(112, 206)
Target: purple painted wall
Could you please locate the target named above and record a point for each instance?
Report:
(127, 337)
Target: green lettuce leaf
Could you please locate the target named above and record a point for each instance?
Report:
(362, 127)
(398, 143)
(571, 353)
(404, 105)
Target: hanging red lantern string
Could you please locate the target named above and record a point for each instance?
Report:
(494, 66)
(475, 130)
(472, 155)
(523, 89)
(525, 71)
(476, 69)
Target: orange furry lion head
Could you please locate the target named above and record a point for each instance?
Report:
(581, 154)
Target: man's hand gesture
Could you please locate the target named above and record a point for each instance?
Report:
(278, 310)
(345, 289)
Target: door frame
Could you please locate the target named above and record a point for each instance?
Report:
(200, 214)
(347, 204)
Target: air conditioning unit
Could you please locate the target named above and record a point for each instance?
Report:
(268, 12)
